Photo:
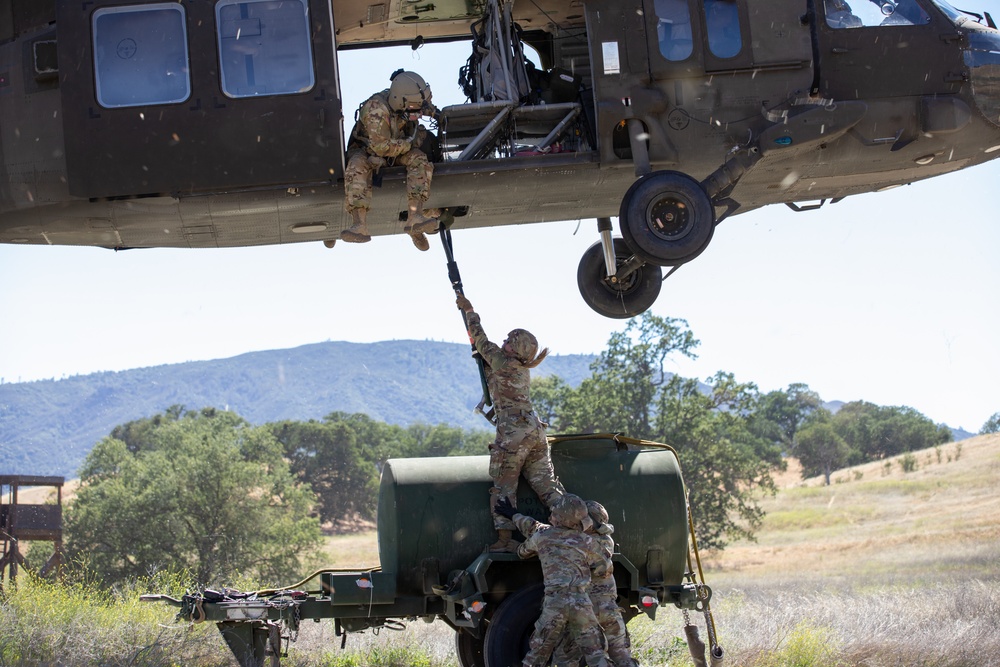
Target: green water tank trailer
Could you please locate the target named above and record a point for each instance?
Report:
(433, 525)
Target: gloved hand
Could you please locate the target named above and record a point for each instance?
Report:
(376, 162)
(463, 303)
(504, 508)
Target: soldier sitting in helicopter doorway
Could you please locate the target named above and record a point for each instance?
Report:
(387, 132)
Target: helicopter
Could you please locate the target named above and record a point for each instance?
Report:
(141, 124)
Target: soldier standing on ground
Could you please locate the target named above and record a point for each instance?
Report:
(569, 559)
(387, 132)
(520, 446)
(604, 597)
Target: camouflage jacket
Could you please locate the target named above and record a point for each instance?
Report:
(606, 583)
(569, 558)
(508, 380)
(381, 131)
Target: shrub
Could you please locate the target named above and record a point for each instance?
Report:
(807, 645)
(77, 624)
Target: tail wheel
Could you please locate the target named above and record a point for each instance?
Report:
(667, 218)
(631, 296)
(510, 630)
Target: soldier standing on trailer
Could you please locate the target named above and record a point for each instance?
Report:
(520, 446)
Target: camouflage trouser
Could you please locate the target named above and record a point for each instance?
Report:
(566, 610)
(358, 177)
(521, 449)
(609, 617)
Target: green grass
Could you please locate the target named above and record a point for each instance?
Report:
(48, 623)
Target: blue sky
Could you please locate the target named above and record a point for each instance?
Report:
(888, 297)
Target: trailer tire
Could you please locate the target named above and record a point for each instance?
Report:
(469, 649)
(513, 622)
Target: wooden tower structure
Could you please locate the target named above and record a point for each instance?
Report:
(21, 522)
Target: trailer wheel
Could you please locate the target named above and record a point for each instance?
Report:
(507, 637)
(469, 649)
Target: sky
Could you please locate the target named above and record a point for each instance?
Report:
(889, 297)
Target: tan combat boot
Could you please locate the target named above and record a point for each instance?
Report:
(358, 233)
(419, 240)
(506, 543)
(417, 221)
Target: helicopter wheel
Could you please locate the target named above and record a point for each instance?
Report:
(666, 218)
(630, 297)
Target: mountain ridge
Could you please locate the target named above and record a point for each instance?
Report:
(47, 427)
(398, 382)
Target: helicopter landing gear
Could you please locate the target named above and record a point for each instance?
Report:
(627, 293)
(667, 218)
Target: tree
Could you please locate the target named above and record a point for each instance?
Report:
(548, 394)
(992, 425)
(328, 457)
(203, 491)
(726, 461)
(784, 412)
(620, 393)
(820, 450)
(726, 464)
(876, 432)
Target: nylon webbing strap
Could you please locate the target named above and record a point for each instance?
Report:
(485, 406)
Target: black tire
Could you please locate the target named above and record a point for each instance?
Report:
(630, 297)
(666, 218)
(469, 649)
(507, 637)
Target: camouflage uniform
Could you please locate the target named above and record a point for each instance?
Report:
(520, 446)
(604, 598)
(569, 557)
(381, 133)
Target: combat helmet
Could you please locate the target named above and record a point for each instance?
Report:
(524, 345)
(408, 91)
(571, 512)
(600, 517)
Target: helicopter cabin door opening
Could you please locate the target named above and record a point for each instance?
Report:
(516, 108)
(193, 98)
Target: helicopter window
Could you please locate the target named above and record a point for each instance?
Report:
(955, 15)
(866, 13)
(264, 47)
(673, 29)
(140, 55)
(722, 20)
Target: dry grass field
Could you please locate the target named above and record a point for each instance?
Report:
(876, 521)
(884, 567)
(895, 564)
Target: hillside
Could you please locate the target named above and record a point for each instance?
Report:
(47, 427)
(877, 522)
